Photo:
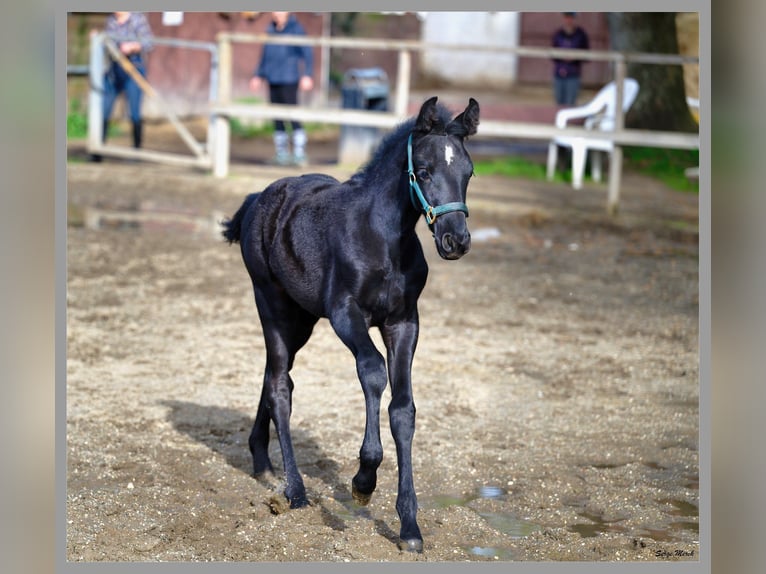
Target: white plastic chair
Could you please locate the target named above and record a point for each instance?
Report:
(694, 105)
(599, 115)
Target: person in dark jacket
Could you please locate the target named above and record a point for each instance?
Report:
(286, 69)
(566, 73)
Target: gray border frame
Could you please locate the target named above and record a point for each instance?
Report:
(704, 9)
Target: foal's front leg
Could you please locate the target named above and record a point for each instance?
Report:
(401, 340)
(350, 325)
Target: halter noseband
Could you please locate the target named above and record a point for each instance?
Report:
(429, 211)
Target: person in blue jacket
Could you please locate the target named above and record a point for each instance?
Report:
(566, 73)
(286, 69)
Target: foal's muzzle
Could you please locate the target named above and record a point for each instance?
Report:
(452, 245)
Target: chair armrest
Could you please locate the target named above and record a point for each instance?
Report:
(563, 116)
(600, 122)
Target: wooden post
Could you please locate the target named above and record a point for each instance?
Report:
(96, 93)
(403, 83)
(222, 128)
(615, 165)
(212, 97)
(324, 75)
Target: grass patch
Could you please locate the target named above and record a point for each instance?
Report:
(667, 165)
(513, 166)
(76, 121)
(76, 125)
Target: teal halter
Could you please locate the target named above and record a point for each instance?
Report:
(429, 211)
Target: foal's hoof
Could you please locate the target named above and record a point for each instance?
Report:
(299, 502)
(411, 545)
(279, 503)
(361, 498)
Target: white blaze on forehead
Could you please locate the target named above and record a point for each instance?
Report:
(448, 153)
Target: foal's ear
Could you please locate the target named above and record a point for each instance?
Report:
(428, 116)
(466, 123)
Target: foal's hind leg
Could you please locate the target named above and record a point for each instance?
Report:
(286, 329)
(350, 325)
(259, 436)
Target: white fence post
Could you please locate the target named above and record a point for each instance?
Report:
(403, 83)
(222, 128)
(96, 93)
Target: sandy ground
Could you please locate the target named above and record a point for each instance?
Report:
(556, 382)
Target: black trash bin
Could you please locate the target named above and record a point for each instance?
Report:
(362, 89)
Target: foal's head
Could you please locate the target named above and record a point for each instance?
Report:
(440, 170)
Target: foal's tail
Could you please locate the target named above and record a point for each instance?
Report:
(232, 228)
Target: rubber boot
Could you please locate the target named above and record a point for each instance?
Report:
(299, 147)
(282, 147)
(138, 127)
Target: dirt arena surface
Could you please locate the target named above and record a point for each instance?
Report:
(556, 381)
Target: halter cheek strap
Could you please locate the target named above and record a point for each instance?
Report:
(431, 212)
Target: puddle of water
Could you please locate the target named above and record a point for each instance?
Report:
(607, 465)
(502, 522)
(446, 500)
(348, 509)
(490, 552)
(597, 526)
(491, 492)
(659, 535)
(682, 508)
(509, 525)
(146, 218)
(691, 526)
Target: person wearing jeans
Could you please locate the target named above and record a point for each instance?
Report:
(566, 73)
(131, 32)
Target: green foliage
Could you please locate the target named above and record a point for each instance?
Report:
(76, 125)
(246, 130)
(667, 165)
(76, 121)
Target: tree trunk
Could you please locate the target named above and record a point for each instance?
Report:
(661, 102)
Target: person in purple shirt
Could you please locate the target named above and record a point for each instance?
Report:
(286, 69)
(566, 73)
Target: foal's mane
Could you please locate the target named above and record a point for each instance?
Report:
(391, 153)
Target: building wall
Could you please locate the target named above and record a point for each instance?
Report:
(182, 75)
(537, 29)
(469, 68)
